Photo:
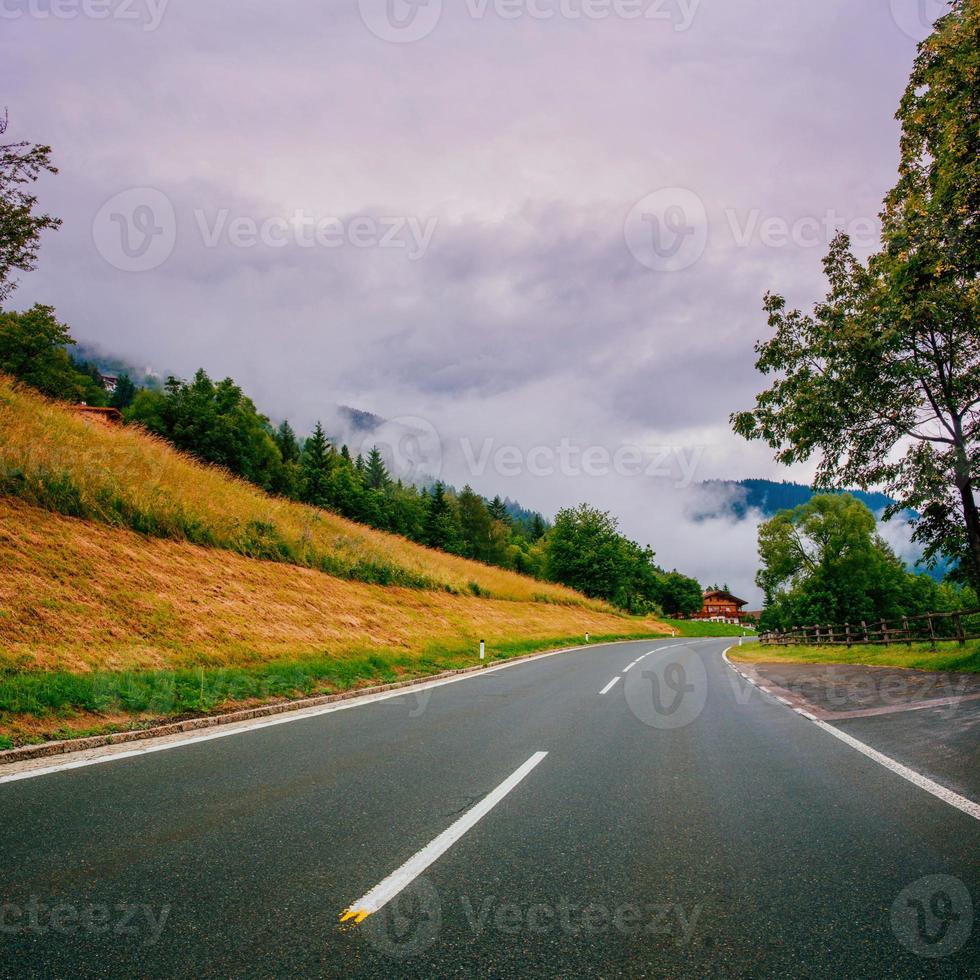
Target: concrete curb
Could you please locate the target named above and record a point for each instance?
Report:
(63, 747)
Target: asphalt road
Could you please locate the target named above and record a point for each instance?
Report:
(680, 824)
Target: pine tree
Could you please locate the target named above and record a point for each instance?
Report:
(375, 472)
(537, 529)
(498, 511)
(315, 465)
(441, 522)
(287, 443)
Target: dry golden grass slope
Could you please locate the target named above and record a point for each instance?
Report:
(137, 584)
(75, 597)
(125, 477)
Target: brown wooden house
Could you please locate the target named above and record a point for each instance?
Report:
(721, 605)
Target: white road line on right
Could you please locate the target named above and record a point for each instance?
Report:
(610, 685)
(961, 803)
(946, 795)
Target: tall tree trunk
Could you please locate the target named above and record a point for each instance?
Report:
(972, 517)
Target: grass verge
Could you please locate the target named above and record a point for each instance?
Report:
(695, 627)
(45, 705)
(919, 656)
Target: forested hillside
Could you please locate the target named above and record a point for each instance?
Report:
(769, 497)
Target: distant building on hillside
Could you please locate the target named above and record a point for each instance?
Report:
(110, 382)
(721, 607)
(104, 416)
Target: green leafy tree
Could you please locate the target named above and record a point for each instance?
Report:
(680, 595)
(476, 526)
(639, 585)
(585, 553)
(345, 488)
(32, 349)
(824, 562)
(882, 381)
(20, 225)
(216, 423)
(407, 511)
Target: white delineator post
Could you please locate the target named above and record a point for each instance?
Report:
(483, 650)
(586, 637)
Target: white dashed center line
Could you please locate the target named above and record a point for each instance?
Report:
(381, 894)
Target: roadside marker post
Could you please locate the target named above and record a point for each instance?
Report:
(483, 650)
(586, 637)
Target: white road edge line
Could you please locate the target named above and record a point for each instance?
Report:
(610, 685)
(178, 742)
(382, 893)
(941, 792)
(917, 779)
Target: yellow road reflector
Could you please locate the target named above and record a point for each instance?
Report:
(357, 916)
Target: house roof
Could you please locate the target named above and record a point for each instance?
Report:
(722, 594)
(112, 415)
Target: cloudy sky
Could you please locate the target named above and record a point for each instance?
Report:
(523, 228)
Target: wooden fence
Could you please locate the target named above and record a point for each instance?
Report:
(930, 628)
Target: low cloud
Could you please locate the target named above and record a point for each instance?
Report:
(528, 317)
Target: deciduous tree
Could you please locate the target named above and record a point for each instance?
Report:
(21, 164)
(882, 381)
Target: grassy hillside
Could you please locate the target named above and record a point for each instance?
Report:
(101, 627)
(140, 585)
(124, 477)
